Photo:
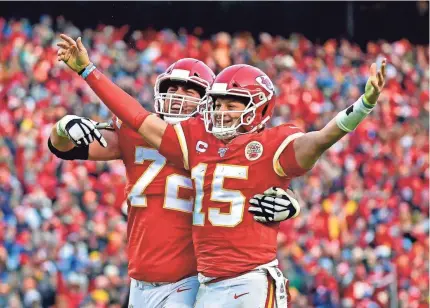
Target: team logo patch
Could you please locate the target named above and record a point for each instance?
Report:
(253, 150)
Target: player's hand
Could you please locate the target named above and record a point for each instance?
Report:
(274, 205)
(73, 53)
(375, 83)
(81, 131)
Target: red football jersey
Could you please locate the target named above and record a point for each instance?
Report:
(160, 203)
(227, 240)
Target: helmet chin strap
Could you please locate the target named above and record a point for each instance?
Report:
(224, 133)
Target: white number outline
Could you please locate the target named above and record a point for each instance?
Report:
(198, 174)
(199, 180)
(173, 181)
(172, 200)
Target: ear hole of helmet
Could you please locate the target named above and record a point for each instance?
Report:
(264, 110)
(248, 117)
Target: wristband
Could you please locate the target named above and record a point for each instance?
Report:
(81, 153)
(348, 119)
(86, 71)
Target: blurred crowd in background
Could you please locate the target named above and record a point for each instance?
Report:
(361, 239)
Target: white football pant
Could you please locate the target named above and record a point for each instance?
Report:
(181, 294)
(264, 287)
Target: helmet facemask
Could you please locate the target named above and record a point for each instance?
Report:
(214, 120)
(173, 107)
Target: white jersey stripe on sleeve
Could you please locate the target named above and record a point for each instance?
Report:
(276, 165)
(183, 143)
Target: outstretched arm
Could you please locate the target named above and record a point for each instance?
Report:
(125, 107)
(309, 147)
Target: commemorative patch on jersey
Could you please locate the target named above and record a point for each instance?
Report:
(253, 150)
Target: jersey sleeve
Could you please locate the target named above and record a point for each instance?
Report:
(284, 161)
(174, 145)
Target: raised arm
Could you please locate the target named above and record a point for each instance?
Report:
(308, 148)
(125, 107)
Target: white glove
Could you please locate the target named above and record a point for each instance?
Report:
(274, 205)
(81, 131)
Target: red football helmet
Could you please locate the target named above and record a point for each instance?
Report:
(244, 81)
(186, 70)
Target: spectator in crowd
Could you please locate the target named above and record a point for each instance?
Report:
(361, 239)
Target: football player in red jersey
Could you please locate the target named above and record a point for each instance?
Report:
(229, 153)
(162, 263)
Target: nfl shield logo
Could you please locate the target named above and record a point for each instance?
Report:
(222, 151)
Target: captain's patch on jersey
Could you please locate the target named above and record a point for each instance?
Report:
(253, 150)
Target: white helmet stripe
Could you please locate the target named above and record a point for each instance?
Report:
(178, 73)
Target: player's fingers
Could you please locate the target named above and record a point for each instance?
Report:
(89, 123)
(380, 77)
(283, 202)
(375, 85)
(102, 125)
(100, 138)
(270, 191)
(63, 44)
(65, 56)
(85, 127)
(68, 39)
(373, 69)
(97, 133)
(84, 139)
(268, 209)
(61, 52)
(258, 196)
(254, 209)
(269, 198)
(90, 138)
(103, 142)
(260, 219)
(79, 44)
(384, 67)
